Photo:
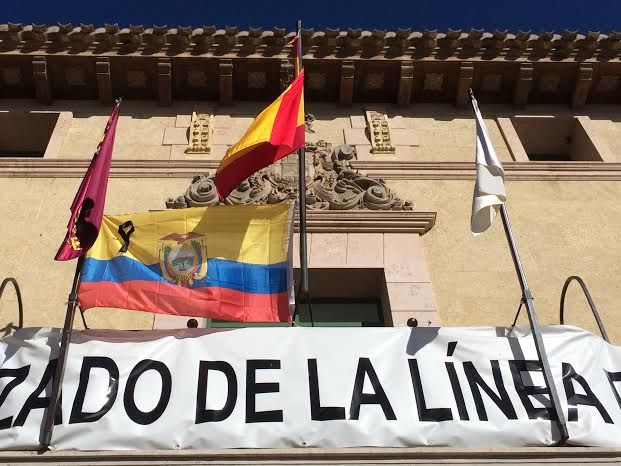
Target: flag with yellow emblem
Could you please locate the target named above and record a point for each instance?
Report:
(224, 262)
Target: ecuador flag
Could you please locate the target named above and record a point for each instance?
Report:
(224, 262)
(275, 133)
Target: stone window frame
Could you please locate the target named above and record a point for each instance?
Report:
(518, 152)
(59, 133)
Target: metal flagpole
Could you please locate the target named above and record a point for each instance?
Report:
(492, 187)
(527, 299)
(59, 372)
(304, 289)
(302, 190)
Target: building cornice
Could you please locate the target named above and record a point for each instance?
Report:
(344, 66)
(388, 170)
(352, 42)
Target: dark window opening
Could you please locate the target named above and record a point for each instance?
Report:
(343, 312)
(340, 298)
(555, 139)
(326, 312)
(24, 134)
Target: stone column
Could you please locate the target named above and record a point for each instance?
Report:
(347, 82)
(164, 81)
(406, 80)
(582, 86)
(523, 85)
(41, 80)
(104, 81)
(466, 71)
(226, 81)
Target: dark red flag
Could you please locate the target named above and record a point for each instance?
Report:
(88, 205)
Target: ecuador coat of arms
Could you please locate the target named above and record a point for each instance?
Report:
(183, 258)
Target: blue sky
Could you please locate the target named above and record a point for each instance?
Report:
(557, 15)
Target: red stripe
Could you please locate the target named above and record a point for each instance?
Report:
(163, 298)
(286, 121)
(263, 155)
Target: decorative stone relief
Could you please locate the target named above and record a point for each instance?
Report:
(331, 185)
(197, 78)
(11, 76)
(549, 82)
(608, 83)
(309, 119)
(200, 134)
(379, 132)
(316, 81)
(257, 79)
(136, 78)
(75, 76)
(374, 81)
(491, 82)
(433, 81)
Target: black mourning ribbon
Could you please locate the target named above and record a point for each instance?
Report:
(125, 230)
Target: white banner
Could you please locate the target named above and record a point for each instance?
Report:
(309, 387)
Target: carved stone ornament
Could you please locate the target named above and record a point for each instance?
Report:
(608, 83)
(316, 81)
(549, 82)
(309, 119)
(11, 76)
(75, 76)
(433, 81)
(380, 133)
(374, 81)
(257, 79)
(331, 185)
(200, 134)
(136, 78)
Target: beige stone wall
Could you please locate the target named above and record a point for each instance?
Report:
(561, 229)
(610, 132)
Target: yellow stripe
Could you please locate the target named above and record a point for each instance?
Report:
(301, 110)
(255, 234)
(259, 132)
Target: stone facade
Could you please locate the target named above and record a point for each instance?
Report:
(563, 213)
(389, 155)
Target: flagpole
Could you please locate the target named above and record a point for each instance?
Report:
(59, 372)
(72, 302)
(302, 188)
(527, 299)
(490, 184)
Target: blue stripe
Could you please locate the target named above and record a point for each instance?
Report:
(239, 276)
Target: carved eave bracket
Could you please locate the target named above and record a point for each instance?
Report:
(338, 198)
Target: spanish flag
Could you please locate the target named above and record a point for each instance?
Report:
(275, 133)
(224, 262)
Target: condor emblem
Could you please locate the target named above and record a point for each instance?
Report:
(183, 258)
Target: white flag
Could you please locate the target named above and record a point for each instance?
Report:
(489, 189)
